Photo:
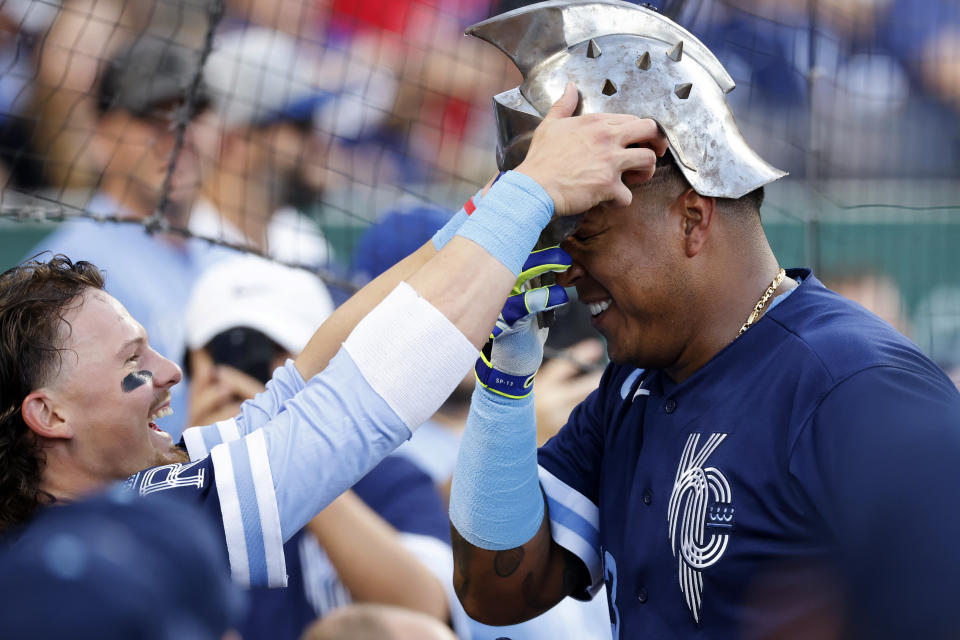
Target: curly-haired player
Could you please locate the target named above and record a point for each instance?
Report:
(83, 390)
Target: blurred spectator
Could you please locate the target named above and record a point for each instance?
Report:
(564, 380)
(808, 72)
(441, 123)
(85, 34)
(435, 444)
(301, 19)
(398, 233)
(265, 92)
(23, 23)
(109, 568)
(140, 95)
(875, 291)
(937, 323)
(70, 56)
(245, 317)
(926, 35)
(377, 622)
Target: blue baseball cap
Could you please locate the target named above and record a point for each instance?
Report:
(396, 235)
(118, 566)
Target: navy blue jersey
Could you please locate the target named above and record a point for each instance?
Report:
(234, 485)
(769, 490)
(401, 494)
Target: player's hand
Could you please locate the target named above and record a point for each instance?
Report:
(580, 161)
(514, 354)
(217, 393)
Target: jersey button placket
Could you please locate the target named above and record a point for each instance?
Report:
(670, 405)
(642, 595)
(647, 498)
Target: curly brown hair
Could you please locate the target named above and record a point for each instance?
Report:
(34, 297)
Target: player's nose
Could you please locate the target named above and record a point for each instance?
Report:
(167, 373)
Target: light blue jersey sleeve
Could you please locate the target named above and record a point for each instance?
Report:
(271, 481)
(327, 438)
(254, 413)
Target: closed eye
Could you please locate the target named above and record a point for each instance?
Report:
(583, 237)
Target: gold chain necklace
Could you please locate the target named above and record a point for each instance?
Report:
(755, 314)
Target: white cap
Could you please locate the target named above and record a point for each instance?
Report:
(285, 304)
(258, 74)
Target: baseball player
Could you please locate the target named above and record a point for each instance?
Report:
(762, 458)
(83, 390)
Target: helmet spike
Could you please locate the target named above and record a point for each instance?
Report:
(676, 53)
(643, 62)
(604, 46)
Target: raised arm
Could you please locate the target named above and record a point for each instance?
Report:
(508, 568)
(576, 163)
(402, 359)
(328, 338)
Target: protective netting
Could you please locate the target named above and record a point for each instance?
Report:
(288, 127)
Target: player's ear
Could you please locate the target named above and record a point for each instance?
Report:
(41, 414)
(696, 218)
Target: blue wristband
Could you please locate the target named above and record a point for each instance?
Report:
(500, 383)
(510, 219)
(447, 231)
(495, 500)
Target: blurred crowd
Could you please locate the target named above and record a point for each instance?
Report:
(309, 114)
(406, 96)
(843, 82)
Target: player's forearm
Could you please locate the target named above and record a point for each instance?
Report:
(507, 568)
(473, 302)
(468, 280)
(372, 562)
(326, 341)
(513, 585)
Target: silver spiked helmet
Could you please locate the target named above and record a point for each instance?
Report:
(624, 59)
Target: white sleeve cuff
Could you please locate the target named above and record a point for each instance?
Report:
(200, 441)
(411, 354)
(251, 520)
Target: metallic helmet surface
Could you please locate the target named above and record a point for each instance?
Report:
(624, 58)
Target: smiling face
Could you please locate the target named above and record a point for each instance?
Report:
(109, 393)
(629, 269)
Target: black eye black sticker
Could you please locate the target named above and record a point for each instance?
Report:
(135, 380)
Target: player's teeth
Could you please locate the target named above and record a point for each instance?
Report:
(596, 308)
(162, 413)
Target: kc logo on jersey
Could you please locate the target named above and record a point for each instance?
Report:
(699, 516)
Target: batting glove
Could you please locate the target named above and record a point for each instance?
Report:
(510, 360)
